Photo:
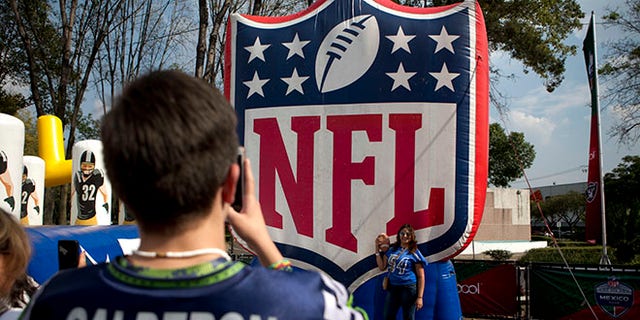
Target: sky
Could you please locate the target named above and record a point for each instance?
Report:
(558, 123)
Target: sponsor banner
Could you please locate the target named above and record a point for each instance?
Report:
(361, 116)
(488, 288)
(611, 294)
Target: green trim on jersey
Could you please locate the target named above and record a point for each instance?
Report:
(200, 275)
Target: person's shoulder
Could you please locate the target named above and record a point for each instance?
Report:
(312, 290)
(303, 282)
(81, 282)
(76, 279)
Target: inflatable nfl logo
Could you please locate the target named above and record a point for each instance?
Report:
(359, 117)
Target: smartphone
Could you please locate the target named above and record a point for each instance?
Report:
(237, 202)
(68, 254)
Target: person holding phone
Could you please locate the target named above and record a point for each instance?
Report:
(170, 148)
(405, 265)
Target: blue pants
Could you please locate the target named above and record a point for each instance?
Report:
(400, 296)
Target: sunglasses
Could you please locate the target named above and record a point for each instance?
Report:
(405, 234)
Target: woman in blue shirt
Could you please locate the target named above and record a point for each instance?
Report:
(405, 265)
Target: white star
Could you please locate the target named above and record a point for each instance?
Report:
(295, 47)
(255, 85)
(400, 41)
(257, 50)
(444, 78)
(294, 82)
(400, 78)
(444, 40)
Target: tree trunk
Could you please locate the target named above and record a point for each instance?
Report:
(202, 34)
(35, 93)
(63, 212)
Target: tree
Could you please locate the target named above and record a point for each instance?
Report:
(10, 64)
(622, 204)
(145, 35)
(621, 72)
(509, 155)
(530, 31)
(10, 103)
(57, 48)
(569, 208)
(30, 132)
(209, 51)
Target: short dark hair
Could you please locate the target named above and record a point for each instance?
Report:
(168, 143)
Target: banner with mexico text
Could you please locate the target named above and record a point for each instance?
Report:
(612, 292)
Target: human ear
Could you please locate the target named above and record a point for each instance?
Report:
(230, 183)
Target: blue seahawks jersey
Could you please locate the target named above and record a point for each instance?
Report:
(402, 265)
(214, 290)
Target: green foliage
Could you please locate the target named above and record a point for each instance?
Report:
(568, 208)
(499, 255)
(30, 132)
(622, 203)
(10, 103)
(37, 47)
(88, 128)
(530, 31)
(573, 244)
(621, 71)
(574, 255)
(580, 253)
(507, 154)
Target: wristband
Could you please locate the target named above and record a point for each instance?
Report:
(281, 265)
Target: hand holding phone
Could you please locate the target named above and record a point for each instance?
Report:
(68, 254)
(237, 202)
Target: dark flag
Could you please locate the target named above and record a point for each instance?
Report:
(594, 192)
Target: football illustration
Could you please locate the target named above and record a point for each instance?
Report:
(347, 52)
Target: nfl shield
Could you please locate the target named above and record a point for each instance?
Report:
(614, 297)
(361, 116)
